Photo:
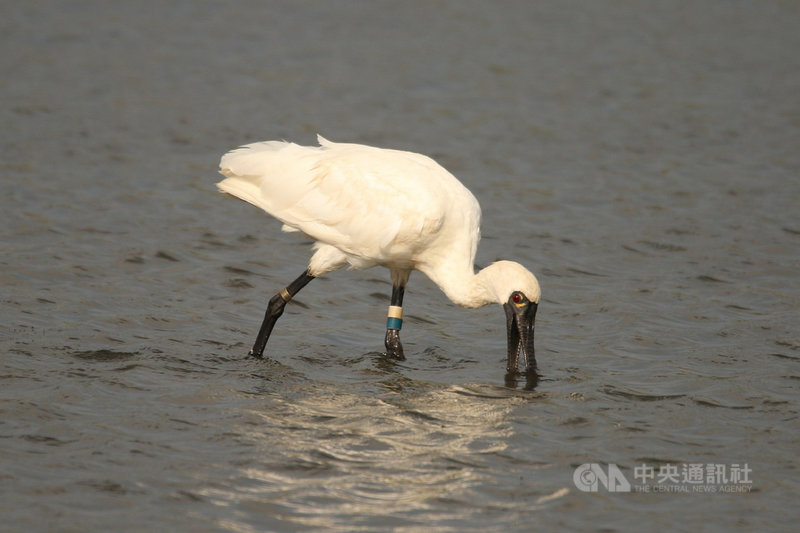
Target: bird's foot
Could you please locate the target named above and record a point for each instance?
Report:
(394, 348)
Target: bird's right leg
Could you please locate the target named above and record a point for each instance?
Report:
(275, 310)
(394, 322)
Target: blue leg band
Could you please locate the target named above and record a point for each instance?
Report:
(394, 323)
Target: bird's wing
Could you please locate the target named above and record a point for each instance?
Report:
(365, 201)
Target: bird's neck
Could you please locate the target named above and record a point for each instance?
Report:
(461, 285)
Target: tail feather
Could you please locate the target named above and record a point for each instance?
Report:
(272, 175)
(243, 187)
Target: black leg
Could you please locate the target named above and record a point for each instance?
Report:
(393, 324)
(275, 310)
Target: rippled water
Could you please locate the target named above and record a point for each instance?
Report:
(641, 158)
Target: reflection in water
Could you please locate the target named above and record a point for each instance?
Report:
(531, 379)
(331, 458)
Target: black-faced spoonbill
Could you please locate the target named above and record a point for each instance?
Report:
(368, 206)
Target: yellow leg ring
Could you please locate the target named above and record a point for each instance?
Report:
(395, 311)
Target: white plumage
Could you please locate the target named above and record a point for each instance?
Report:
(366, 206)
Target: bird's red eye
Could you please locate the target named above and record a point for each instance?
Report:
(516, 297)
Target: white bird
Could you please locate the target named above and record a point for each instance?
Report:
(366, 206)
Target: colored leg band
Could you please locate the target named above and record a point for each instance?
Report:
(395, 317)
(285, 295)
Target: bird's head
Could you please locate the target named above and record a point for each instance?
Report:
(517, 290)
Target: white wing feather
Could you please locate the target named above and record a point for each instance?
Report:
(371, 203)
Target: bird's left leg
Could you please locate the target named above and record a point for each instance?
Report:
(393, 324)
(275, 310)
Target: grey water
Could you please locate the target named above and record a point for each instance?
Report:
(643, 158)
